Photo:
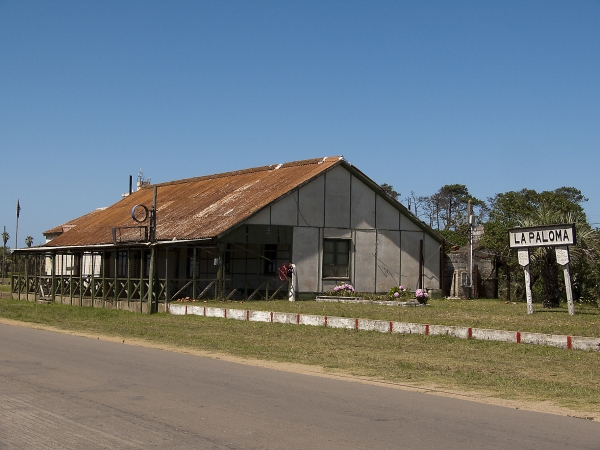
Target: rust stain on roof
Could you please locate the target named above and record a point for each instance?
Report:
(196, 208)
(71, 223)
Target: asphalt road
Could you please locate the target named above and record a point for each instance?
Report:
(63, 391)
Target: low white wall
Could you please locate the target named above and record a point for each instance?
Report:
(382, 326)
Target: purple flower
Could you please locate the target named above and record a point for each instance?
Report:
(396, 295)
(421, 293)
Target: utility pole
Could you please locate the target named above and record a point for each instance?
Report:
(470, 249)
(151, 272)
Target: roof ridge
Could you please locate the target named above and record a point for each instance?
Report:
(303, 162)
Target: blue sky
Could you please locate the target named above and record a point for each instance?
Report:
(496, 95)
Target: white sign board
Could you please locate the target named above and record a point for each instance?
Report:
(546, 236)
(523, 254)
(562, 255)
(559, 236)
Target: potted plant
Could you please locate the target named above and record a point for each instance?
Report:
(422, 296)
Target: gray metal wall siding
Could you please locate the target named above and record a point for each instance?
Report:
(262, 217)
(311, 199)
(410, 241)
(431, 255)
(337, 198)
(337, 233)
(285, 211)
(388, 217)
(407, 224)
(306, 256)
(388, 259)
(365, 263)
(363, 205)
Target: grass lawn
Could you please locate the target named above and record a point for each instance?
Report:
(523, 372)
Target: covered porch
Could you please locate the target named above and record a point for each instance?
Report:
(129, 278)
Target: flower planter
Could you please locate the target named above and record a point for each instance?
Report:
(340, 299)
(334, 298)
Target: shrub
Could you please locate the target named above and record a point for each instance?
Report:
(399, 293)
(343, 290)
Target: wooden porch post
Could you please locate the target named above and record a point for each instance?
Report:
(26, 277)
(194, 283)
(17, 266)
(167, 279)
(116, 276)
(151, 286)
(93, 278)
(72, 258)
(128, 278)
(35, 277)
(103, 266)
(141, 279)
(53, 290)
(80, 266)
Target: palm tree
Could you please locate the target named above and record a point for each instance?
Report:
(28, 241)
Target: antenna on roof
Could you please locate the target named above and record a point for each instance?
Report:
(141, 181)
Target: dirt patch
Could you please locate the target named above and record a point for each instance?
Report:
(545, 407)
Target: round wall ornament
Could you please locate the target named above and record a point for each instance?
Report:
(139, 213)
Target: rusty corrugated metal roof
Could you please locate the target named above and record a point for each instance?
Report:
(70, 224)
(198, 208)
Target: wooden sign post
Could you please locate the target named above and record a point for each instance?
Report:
(523, 254)
(562, 258)
(558, 236)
